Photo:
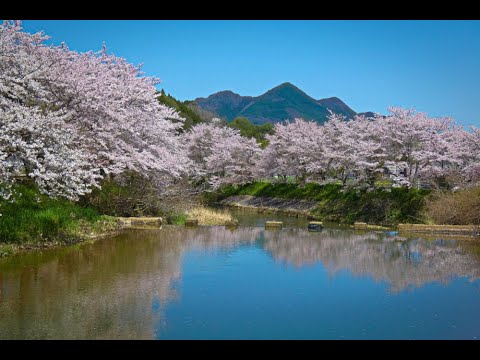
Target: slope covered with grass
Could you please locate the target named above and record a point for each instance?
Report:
(36, 218)
(345, 205)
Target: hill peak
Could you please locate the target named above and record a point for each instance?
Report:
(226, 93)
(337, 106)
(285, 85)
(333, 99)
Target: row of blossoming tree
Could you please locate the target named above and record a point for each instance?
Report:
(419, 148)
(423, 148)
(70, 119)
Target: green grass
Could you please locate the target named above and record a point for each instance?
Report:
(6, 250)
(286, 191)
(384, 183)
(34, 218)
(344, 205)
(177, 219)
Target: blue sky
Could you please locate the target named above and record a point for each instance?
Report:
(432, 66)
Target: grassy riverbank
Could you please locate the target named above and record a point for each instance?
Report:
(34, 220)
(343, 205)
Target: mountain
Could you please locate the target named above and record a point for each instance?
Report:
(367, 114)
(283, 102)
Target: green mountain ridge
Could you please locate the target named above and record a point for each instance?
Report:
(283, 102)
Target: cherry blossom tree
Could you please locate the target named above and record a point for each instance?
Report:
(338, 148)
(111, 97)
(69, 118)
(292, 148)
(471, 156)
(351, 147)
(429, 147)
(233, 160)
(220, 155)
(452, 156)
(370, 152)
(37, 137)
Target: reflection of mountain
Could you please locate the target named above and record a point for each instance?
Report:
(117, 288)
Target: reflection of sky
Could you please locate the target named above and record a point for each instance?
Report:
(211, 282)
(415, 257)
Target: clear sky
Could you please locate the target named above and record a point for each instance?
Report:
(432, 66)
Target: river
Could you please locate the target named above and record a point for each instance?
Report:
(247, 283)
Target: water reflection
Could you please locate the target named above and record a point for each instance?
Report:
(400, 262)
(100, 290)
(118, 287)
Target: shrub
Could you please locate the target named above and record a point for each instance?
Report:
(132, 194)
(454, 208)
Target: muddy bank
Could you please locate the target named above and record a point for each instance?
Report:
(285, 206)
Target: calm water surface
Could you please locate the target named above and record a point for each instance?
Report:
(248, 283)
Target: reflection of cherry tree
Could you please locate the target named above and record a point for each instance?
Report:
(402, 264)
(103, 290)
